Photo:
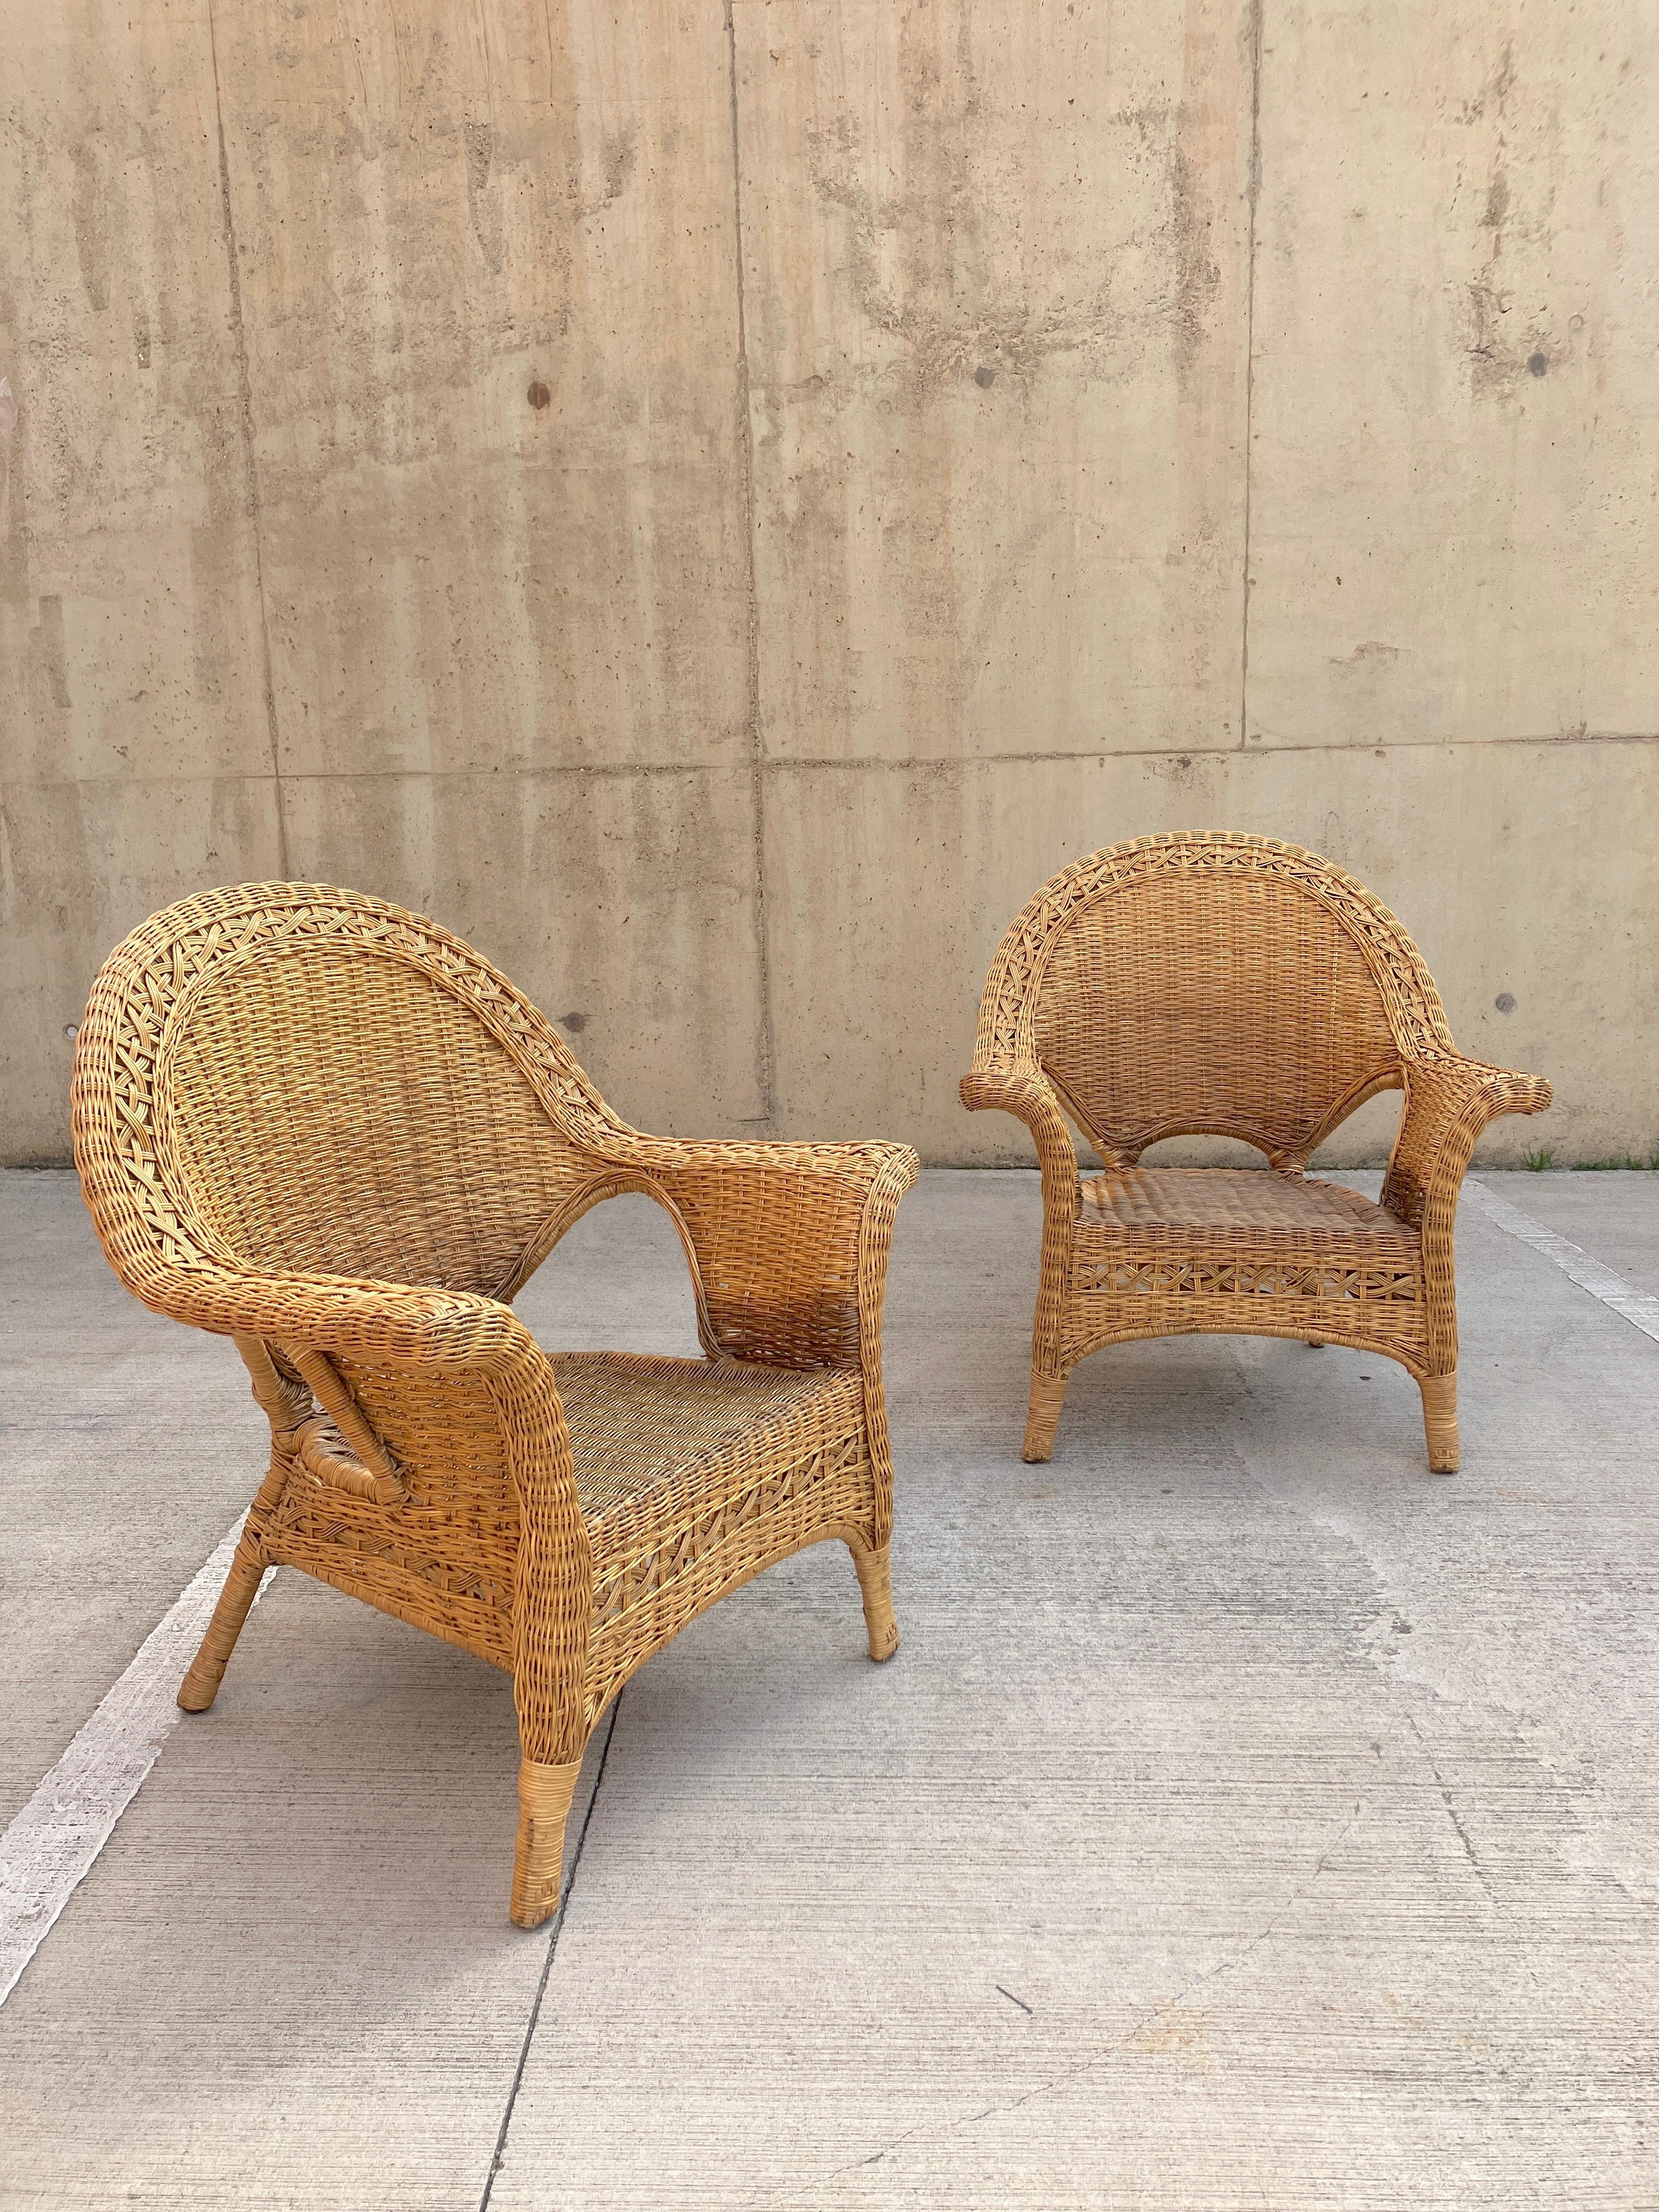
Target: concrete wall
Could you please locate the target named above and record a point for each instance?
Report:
(717, 505)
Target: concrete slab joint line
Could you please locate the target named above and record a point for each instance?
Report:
(54, 1841)
(1255, 191)
(1631, 1306)
(756, 745)
(499, 2155)
(244, 387)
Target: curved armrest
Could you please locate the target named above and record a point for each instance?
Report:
(1019, 1087)
(790, 1242)
(497, 1372)
(398, 1323)
(1449, 1102)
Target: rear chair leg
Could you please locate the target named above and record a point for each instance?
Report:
(1440, 1421)
(201, 1684)
(876, 1585)
(1048, 1396)
(544, 1795)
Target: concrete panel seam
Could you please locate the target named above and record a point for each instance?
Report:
(1253, 193)
(1198, 755)
(765, 1061)
(245, 389)
(785, 764)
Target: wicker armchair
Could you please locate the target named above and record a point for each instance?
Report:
(1228, 985)
(326, 1128)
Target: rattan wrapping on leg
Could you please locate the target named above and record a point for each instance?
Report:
(876, 1585)
(207, 1670)
(322, 1126)
(1215, 984)
(1440, 1422)
(1042, 1418)
(544, 1795)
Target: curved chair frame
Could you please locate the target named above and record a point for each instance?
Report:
(1409, 1314)
(421, 1454)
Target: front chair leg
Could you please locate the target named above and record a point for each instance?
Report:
(544, 1795)
(1440, 1421)
(201, 1684)
(1048, 1396)
(876, 1586)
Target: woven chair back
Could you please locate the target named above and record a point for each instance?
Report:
(307, 1081)
(338, 1111)
(1216, 984)
(290, 1075)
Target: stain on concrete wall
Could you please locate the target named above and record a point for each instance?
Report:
(718, 501)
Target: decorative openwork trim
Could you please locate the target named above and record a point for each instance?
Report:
(1181, 1275)
(1008, 1008)
(674, 1552)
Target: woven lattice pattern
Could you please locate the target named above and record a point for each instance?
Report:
(325, 1127)
(1232, 986)
(1159, 1003)
(1244, 1202)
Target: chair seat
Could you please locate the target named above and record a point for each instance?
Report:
(674, 1456)
(1251, 1207)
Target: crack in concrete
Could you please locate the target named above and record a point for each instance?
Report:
(1463, 1837)
(1398, 1681)
(1115, 2048)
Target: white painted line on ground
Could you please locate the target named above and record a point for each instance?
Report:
(1630, 1304)
(53, 1841)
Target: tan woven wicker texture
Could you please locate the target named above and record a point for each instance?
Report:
(325, 1127)
(1222, 985)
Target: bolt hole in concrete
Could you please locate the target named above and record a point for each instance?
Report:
(575, 1023)
(538, 396)
(984, 378)
(1537, 363)
(1505, 1002)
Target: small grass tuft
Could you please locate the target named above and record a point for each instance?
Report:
(1626, 1161)
(1543, 1158)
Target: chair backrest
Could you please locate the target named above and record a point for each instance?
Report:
(309, 1080)
(1209, 983)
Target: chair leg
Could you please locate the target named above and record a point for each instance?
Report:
(1048, 1396)
(207, 1670)
(1440, 1421)
(876, 1585)
(544, 1795)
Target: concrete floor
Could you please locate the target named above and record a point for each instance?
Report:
(1251, 1817)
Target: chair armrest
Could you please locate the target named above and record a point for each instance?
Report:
(483, 1349)
(1449, 1102)
(1019, 1087)
(401, 1324)
(790, 1244)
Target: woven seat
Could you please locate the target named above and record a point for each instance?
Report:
(1222, 985)
(1249, 1202)
(324, 1128)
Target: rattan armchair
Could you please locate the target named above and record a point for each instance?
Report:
(328, 1129)
(1230, 986)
